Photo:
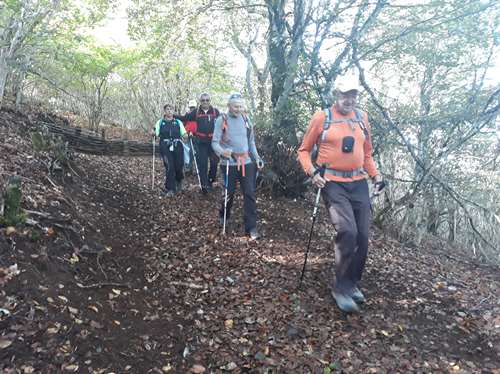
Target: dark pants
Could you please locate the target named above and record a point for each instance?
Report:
(174, 163)
(349, 206)
(204, 153)
(247, 184)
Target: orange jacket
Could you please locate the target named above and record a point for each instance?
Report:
(330, 149)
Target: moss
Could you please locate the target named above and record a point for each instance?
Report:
(13, 214)
(35, 236)
(38, 142)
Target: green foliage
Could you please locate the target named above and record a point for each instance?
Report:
(426, 63)
(35, 235)
(54, 147)
(38, 142)
(13, 213)
(334, 366)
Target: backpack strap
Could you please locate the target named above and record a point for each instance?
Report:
(248, 127)
(359, 119)
(326, 123)
(224, 122)
(329, 120)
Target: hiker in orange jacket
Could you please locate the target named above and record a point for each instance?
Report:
(343, 136)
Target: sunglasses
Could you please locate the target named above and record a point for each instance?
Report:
(205, 100)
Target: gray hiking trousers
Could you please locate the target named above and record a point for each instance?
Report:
(348, 204)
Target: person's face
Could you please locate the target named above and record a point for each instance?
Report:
(346, 101)
(205, 102)
(168, 112)
(235, 108)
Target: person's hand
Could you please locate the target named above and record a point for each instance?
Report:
(153, 133)
(227, 153)
(378, 185)
(260, 163)
(318, 180)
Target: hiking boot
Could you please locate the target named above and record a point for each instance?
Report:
(254, 234)
(357, 295)
(169, 193)
(204, 190)
(345, 303)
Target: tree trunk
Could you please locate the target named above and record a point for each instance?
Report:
(4, 71)
(284, 46)
(18, 88)
(452, 224)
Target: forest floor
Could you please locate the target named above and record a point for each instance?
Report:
(112, 277)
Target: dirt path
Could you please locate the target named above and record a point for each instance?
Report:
(134, 282)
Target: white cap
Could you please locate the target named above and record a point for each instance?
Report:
(347, 83)
(192, 103)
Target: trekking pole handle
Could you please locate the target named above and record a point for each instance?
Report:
(322, 170)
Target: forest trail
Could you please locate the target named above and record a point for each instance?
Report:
(117, 278)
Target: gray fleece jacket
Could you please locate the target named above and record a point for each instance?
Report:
(234, 138)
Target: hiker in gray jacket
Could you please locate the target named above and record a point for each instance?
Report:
(234, 141)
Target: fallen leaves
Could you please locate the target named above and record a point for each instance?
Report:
(4, 343)
(220, 302)
(10, 230)
(54, 329)
(198, 369)
(6, 274)
(71, 367)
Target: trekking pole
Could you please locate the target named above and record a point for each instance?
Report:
(195, 162)
(225, 198)
(315, 212)
(154, 154)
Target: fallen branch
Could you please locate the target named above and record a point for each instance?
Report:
(39, 214)
(51, 182)
(104, 284)
(189, 285)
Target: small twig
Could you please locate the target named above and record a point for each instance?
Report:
(104, 284)
(50, 180)
(189, 285)
(73, 171)
(35, 213)
(100, 267)
(32, 222)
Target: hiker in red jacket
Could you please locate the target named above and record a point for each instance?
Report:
(200, 122)
(343, 136)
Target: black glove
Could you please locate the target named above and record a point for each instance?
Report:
(379, 186)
